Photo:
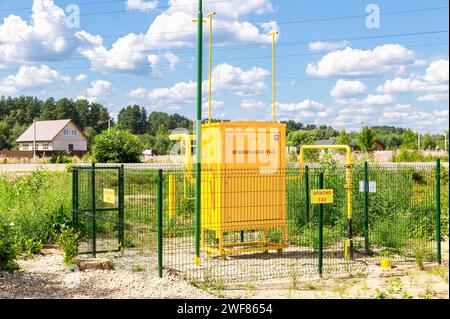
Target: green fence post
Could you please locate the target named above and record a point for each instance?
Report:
(73, 198)
(438, 211)
(160, 222)
(320, 225)
(94, 224)
(121, 207)
(198, 133)
(366, 209)
(307, 201)
(77, 204)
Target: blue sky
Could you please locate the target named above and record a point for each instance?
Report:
(331, 68)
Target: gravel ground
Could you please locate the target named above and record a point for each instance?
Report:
(45, 276)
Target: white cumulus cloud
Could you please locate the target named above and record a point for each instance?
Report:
(80, 77)
(253, 104)
(327, 46)
(345, 88)
(98, 91)
(434, 83)
(31, 78)
(141, 5)
(351, 62)
(174, 28)
(46, 37)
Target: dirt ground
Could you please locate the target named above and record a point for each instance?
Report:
(403, 281)
(45, 276)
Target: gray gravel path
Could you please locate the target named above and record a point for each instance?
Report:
(45, 276)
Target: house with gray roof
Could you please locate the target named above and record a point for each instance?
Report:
(57, 135)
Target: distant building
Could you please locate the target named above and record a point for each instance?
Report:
(379, 145)
(148, 153)
(326, 142)
(58, 135)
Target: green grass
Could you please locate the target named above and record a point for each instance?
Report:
(39, 204)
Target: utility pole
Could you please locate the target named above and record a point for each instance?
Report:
(34, 138)
(274, 101)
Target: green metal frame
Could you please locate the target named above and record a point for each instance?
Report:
(198, 133)
(320, 233)
(93, 210)
(438, 211)
(366, 209)
(160, 223)
(307, 199)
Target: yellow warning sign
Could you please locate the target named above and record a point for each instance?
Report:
(322, 196)
(109, 196)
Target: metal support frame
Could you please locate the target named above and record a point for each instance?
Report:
(348, 248)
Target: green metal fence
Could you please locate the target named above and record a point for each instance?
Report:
(154, 215)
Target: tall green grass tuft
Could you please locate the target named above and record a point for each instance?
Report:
(8, 247)
(39, 205)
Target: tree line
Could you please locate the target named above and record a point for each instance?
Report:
(18, 113)
(153, 129)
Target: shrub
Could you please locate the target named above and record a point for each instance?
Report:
(8, 249)
(63, 157)
(117, 146)
(391, 233)
(32, 247)
(406, 155)
(39, 205)
(68, 240)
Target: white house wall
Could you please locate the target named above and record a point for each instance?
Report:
(61, 142)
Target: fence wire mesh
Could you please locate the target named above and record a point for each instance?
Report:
(262, 224)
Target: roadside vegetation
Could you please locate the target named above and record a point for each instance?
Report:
(33, 210)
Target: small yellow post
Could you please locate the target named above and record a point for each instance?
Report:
(172, 196)
(210, 16)
(274, 101)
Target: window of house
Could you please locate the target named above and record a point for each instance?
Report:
(25, 146)
(66, 132)
(45, 146)
(74, 132)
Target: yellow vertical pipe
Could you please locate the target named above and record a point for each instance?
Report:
(273, 34)
(172, 196)
(210, 16)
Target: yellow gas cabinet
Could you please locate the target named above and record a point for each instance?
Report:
(243, 186)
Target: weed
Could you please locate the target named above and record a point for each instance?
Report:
(395, 286)
(249, 287)
(8, 249)
(32, 247)
(340, 288)
(137, 268)
(310, 286)
(427, 291)
(219, 286)
(380, 294)
(68, 240)
(294, 277)
(406, 295)
(440, 271)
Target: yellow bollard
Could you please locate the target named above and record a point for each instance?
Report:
(172, 196)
